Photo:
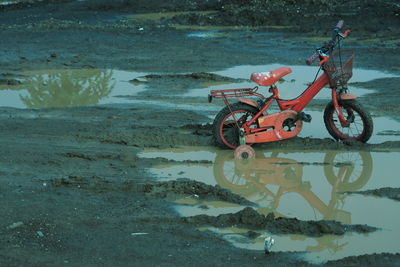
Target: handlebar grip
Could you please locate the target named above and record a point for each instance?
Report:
(311, 59)
(324, 59)
(346, 33)
(339, 25)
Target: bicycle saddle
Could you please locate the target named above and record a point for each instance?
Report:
(270, 77)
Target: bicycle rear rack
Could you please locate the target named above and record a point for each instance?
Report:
(234, 93)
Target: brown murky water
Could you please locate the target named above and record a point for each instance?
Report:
(308, 186)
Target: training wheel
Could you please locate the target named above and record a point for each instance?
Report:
(244, 152)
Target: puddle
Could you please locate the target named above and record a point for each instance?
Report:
(158, 16)
(6, 3)
(191, 206)
(209, 34)
(301, 185)
(70, 87)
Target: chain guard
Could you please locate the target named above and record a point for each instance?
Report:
(279, 126)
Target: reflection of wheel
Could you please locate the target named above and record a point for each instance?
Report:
(225, 130)
(360, 123)
(244, 152)
(232, 178)
(352, 170)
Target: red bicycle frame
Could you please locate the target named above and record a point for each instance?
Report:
(299, 103)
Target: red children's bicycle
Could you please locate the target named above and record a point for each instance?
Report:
(248, 121)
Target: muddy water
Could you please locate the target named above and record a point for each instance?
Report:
(70, 87)
(308, 186)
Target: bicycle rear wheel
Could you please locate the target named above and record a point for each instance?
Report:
(225, 129)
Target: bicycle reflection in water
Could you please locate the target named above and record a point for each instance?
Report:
(265, 180)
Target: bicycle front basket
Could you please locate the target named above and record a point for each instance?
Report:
(339, 67)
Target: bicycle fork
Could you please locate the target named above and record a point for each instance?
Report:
(335, 100)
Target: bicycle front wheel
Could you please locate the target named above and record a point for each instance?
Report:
(360, 125)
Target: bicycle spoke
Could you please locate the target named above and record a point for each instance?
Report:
(355, 127)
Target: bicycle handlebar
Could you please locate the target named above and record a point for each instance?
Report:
(329, 46)
(311, 59)
(346, 32)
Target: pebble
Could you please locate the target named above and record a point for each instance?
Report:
(15, 225)
(134, 234)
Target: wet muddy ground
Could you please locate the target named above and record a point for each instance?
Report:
(107, 155)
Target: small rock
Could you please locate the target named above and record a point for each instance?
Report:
(15, 225)
(40, 233)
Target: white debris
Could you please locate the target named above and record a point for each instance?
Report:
(135, 234)
(268, 243)
(15, 225)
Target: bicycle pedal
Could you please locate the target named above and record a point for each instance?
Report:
(304, 117)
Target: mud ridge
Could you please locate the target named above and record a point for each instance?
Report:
(382, 259)
(250, 218)
(187, 161)
(388, 192)
(169, 189)
(194, 76)
(269, 13)
(193, 188)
